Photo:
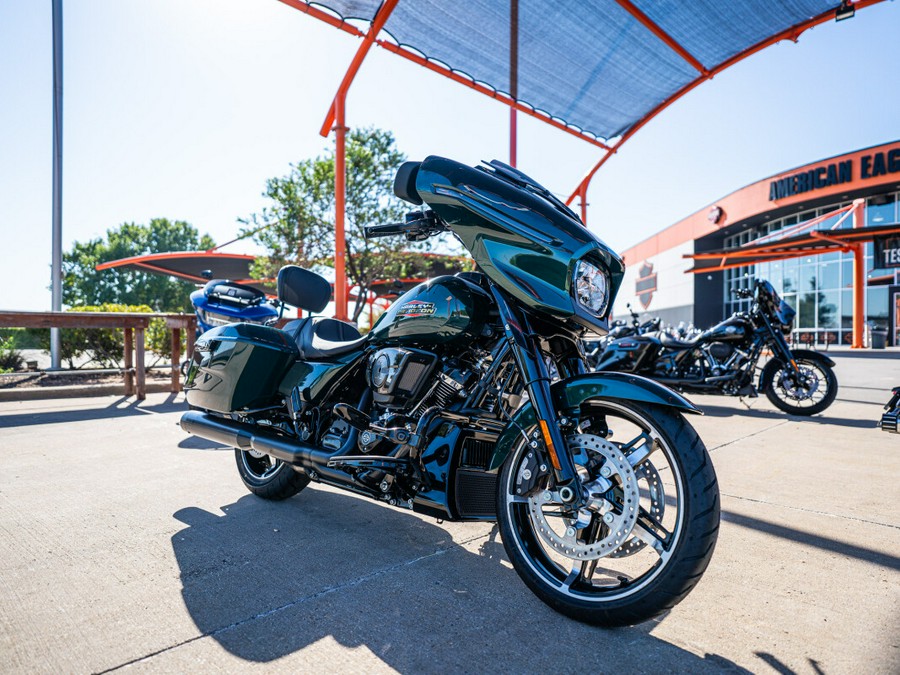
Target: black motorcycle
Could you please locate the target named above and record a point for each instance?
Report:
(620, 328)
(723, 360)
(606, 498)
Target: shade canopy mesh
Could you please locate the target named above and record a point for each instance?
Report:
(589, 63)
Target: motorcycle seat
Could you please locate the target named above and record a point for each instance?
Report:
(319, 338)
(674, 343)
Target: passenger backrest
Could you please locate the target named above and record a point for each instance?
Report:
(302, 288)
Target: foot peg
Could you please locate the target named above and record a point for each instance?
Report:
(392, 465)
(360, 421)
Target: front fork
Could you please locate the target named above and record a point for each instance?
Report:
(536, 378)
(782, 350)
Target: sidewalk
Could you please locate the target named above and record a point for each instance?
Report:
(123, 541)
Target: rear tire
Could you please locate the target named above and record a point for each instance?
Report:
(615, 580)
(268, 477)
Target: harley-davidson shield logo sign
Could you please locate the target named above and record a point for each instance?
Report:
(416, 308)
(645, 285)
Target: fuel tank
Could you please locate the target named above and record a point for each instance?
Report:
(734, 329)
(442, 310)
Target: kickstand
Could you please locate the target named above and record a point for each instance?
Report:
(747, 405)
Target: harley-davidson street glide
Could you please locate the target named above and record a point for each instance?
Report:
(723, 359)
(606, 498)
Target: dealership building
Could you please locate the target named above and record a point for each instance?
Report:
(800, 229)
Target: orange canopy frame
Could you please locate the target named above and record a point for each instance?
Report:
(777, 26)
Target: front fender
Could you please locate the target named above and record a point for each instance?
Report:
(774, 365)
(568, 395)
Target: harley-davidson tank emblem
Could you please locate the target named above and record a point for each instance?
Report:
(416, 308)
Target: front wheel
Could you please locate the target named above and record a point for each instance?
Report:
(646, 532)
(807, 394)
(268, 477)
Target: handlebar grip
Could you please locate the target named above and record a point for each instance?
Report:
(387, 230)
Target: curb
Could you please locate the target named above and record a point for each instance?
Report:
(76, 391)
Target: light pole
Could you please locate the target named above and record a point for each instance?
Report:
(56, 261)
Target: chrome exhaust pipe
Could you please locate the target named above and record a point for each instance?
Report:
(313, 461)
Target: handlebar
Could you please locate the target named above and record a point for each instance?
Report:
(419, 225)
(387, 230)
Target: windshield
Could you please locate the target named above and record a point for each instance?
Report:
(769, 299)
(512, 175)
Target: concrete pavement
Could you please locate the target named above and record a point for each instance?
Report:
(125, 544)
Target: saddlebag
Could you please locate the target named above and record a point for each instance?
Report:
(238, 367)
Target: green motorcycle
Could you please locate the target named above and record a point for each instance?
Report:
(469, 400)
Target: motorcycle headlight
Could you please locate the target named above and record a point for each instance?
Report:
(214, 319)
(591, 287)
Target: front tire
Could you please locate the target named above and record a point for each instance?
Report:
(813, 394)
(642, 543)
(268, 477)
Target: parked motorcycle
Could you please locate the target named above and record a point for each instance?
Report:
(606, 498)
(890, 419)
(221, 302)
(723, 360)
(620, 328)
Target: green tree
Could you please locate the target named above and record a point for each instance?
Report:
(83, 284)
(297, 226)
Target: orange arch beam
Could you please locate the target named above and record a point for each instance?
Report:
(792, 33)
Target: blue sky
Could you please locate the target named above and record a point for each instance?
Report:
(183, 108)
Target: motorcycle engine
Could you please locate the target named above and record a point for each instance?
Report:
(721, 351)
(396, 376)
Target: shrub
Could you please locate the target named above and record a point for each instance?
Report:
(21, 338)
(10, 358)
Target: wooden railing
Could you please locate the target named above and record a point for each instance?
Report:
(133, 323)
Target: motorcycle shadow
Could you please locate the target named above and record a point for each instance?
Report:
(267, 579)
(760, 413)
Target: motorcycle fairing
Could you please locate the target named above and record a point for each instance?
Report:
(570, 394)
(505, 227)
(231, 301)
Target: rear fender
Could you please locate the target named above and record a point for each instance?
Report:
(568, 396)
(775, 364)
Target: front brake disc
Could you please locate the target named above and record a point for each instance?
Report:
(802, 387)
(562, 534)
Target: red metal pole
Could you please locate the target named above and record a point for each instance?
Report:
(512, 136)
(340, 195)
(336, 115)
(583, 195)
(859, 278)
(368, 40)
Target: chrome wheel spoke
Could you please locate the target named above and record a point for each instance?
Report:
(639, 449)
(588, 567)
(574, 575)
(651, 532)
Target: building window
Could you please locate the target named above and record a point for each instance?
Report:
(881, 210)
(819, 287)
